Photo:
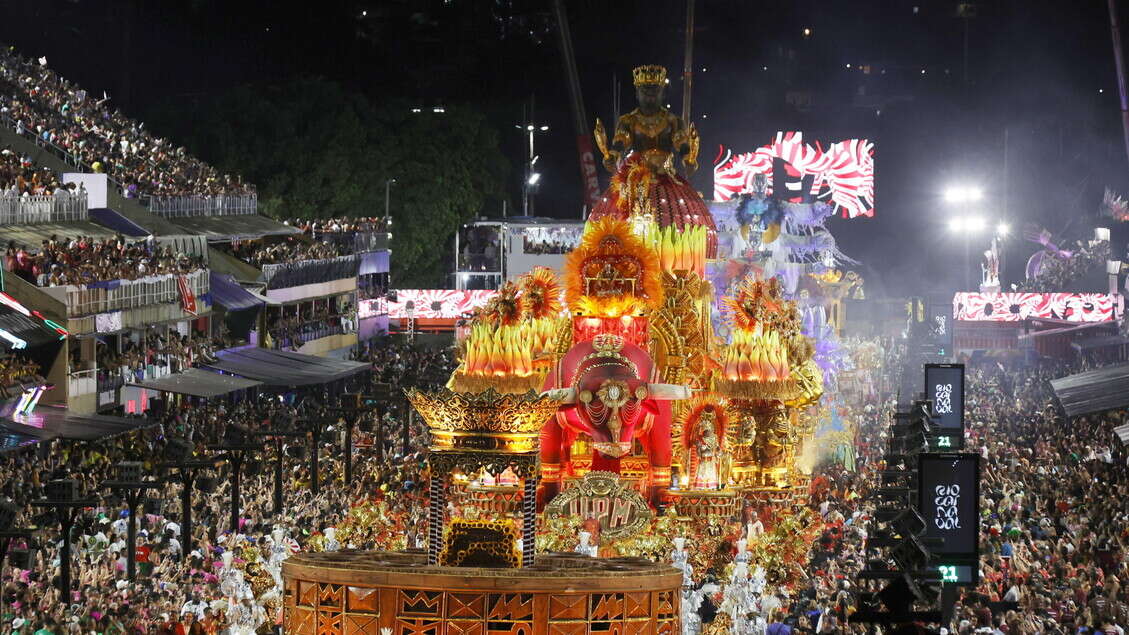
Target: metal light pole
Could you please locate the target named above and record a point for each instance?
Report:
(62, 496)
(131, 487)
(387, 200)
(279, 437)
(315, 427)
(187, 471)
(235, 451)
(532, 177)
(353, 408)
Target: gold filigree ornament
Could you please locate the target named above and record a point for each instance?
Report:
(487, 430)
(619, 509)
(480, 543)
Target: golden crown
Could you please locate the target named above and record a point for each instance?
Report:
(649, 74)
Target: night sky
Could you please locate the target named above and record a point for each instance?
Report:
(1040, 89)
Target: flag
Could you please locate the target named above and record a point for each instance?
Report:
(187, 298)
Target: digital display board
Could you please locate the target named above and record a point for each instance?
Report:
(939, 319)
(948, 500)
(944, 386)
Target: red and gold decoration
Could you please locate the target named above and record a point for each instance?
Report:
(612, 273)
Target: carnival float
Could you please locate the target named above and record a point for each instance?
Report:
(615, 437)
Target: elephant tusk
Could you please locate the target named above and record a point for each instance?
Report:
(563, 395)
(668, 392)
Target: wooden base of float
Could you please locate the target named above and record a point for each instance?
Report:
(351, 592)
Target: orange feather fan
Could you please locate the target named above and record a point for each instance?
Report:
(609, 242)
(541, 293)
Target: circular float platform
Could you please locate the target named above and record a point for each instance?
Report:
(352, 592)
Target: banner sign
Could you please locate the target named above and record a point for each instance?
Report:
(426, 304)
(1015, 307)
(944, 386)
(948, 495)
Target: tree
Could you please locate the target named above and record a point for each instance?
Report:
(315, 150)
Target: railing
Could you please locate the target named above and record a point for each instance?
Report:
(201, 205)
(355, 242)
(308, 334)
(83, 382)
(29, 210)
(131, 294)
(295, 274)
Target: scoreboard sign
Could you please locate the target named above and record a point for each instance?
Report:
(944, 386)
(948, 497)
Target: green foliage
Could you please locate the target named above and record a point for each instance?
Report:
(317, 151)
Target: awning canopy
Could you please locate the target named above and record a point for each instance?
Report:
(230, 294)
(1122, 433)
(198, 383)
(1100, 342)
(245, 226)
(34, 235)
(48, 422)
(21, 331)
(1093, 391)
(284, 368)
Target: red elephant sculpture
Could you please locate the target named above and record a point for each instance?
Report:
(609, 392)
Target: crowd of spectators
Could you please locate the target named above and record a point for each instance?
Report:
(259, 253)
(19, 176)
(175, 595)
(290, 332)
(1053, 493)
(14, 368)
(318, 226)
(157, 353)
(54, 111)
(84, 259)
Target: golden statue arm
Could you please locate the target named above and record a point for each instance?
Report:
(611, 155)
(690, 159)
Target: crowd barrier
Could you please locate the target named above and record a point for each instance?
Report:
(200, 205)
(43, 208)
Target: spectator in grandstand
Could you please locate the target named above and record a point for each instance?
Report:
(83, 260)
(39, 103)
(258, 253)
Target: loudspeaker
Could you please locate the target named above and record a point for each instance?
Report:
(8, 513)
(129, 471)
(206, 484)
(177, 449)
(21, 558)
(65, 490)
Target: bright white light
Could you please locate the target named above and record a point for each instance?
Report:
(807, 32)
(848, 65)
(956, 224)
(529, 127)
(973, 224)
(417, 109)
(1003, 229)
(438, 109)
(534, 178)
(962, 194)
(364, 13)
(544, 128)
